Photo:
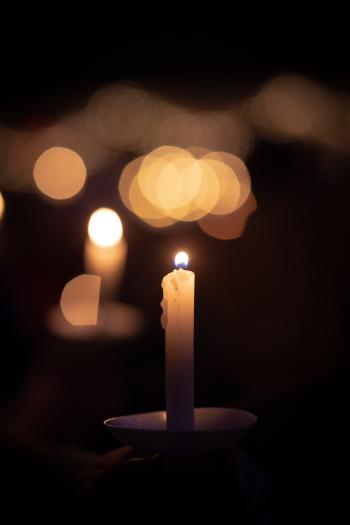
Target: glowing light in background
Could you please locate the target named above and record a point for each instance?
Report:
(126, 178)
(151, 173)
(127, 117)
(292, 107)
(70, 132)
(241, 173)
(19, 150)
(229, 187)
(206, 195)
(176, 180)
(231, 226)
(133, 198)
(17, 160)
(173, 184)
(145, 210)
(211, 129)
(2, 206)
(181, 259)
(105, 227)
(59, 173)
(120, 116)
(80, 300)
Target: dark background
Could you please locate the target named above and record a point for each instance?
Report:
(271, 326)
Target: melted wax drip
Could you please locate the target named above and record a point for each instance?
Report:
(179, 275)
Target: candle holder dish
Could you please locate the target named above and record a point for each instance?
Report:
(215, 429)
(115, 321)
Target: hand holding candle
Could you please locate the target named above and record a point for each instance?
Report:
(178, 322)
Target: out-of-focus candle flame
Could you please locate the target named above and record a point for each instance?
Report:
(2, 206)
(181, 260)
(173, 184)
(59, 173)
(80, 300)
(105, 227)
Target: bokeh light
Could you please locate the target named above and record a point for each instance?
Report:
(126, 117)
(120, 116)
(229, 187)
(105, 227)
(59, 173)
(173, 184)
(240, 172)
(2, 206)
(210, 129)
(292, 107)
(80, 300)
(70, 132)
(231, 226)
(17, 159)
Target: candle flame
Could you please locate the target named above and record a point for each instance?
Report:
(105, 227)
(181, 260)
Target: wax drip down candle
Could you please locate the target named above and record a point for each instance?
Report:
(178, 322)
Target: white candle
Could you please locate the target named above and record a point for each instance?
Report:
(178, 322)
(105, 250)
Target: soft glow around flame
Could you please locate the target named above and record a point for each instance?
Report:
(181, 260)
(105, 227)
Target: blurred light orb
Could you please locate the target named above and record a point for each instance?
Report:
(120, 116)
(126, 179)
(134, 199)
(206, 198)
(145, 210)
(231, 226)
(181, 260)
(229, 188)
(2, 206)
(80, 300)
(172, 184)
(291, 107)
(105, 227)
(239, 170)
(59, 173)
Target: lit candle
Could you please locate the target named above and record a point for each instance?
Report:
(105, 250)
(178, 322)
